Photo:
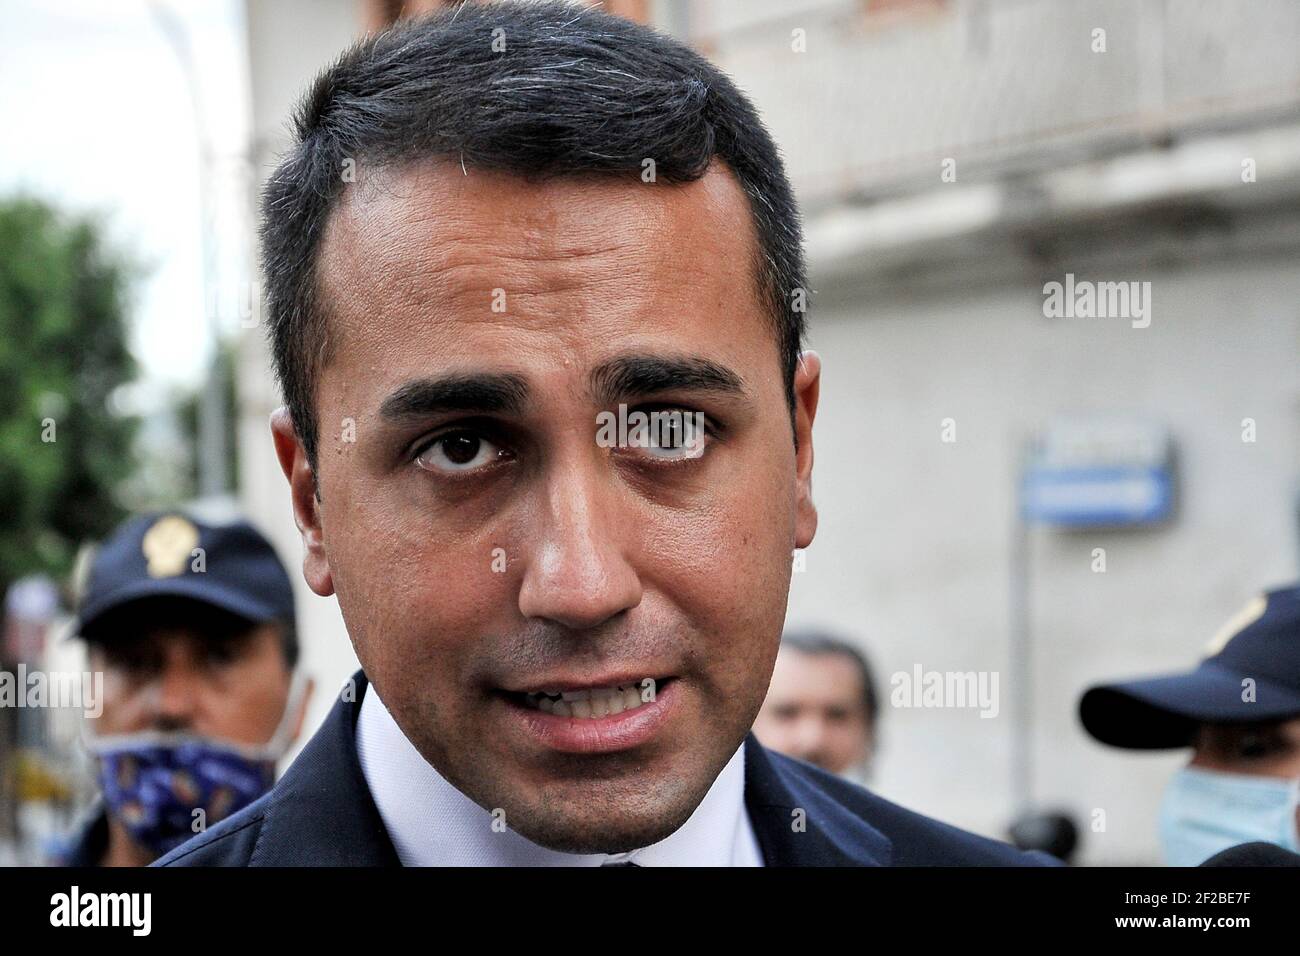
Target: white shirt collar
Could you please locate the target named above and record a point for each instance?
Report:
(409, 793)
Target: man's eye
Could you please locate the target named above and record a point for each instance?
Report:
(1253, 746)
(674, 447)
(458, 452)
(674, 436)
(224, 653)
(134, 660)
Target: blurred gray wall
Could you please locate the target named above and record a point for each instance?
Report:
(289, 42)
(928, 305)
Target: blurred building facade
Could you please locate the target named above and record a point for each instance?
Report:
(289, 41)
(952, 157)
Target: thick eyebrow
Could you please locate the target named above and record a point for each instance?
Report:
(483, 393)
(647, 374)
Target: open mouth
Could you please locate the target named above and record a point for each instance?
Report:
(591, 703)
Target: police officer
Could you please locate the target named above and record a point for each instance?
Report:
(193, 627)
(1239, 712)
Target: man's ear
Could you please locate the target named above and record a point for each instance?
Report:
(306, 506)
(807, 384)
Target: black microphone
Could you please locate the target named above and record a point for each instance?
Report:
(1254, 854)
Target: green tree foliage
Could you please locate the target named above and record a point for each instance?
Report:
(63, 303)
(187, 414)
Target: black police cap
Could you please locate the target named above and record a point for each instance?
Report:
(172, 555)
(1252, 674)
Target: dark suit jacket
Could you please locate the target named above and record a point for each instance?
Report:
(321, 814)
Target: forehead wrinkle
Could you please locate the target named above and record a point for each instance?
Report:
(419, 279)
(552, 224)
(460, 283)
(441, 242)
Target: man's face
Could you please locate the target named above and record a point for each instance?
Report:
(484, 545)
(230, 688)
(1268, 749)
(814, 711)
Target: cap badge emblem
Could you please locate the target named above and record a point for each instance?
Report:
(167, 545)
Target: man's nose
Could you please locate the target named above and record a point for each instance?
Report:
(810, 734)
(577, 573)
(176, 693)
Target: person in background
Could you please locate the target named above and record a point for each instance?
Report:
(821, 705)
(193, 628)
(1239, 712)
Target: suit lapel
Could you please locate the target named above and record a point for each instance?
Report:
(321, 811)
(798, 823)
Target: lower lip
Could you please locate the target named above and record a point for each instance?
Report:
(595, 735)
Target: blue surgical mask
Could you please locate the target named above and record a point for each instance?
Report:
(167, 787)
(1205, 811)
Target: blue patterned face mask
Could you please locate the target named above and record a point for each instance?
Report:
(165, 788)
(1205, 811)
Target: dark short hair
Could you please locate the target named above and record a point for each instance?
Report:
(576, 92)
(820, 644)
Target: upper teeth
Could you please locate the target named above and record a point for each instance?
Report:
(594, 701)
